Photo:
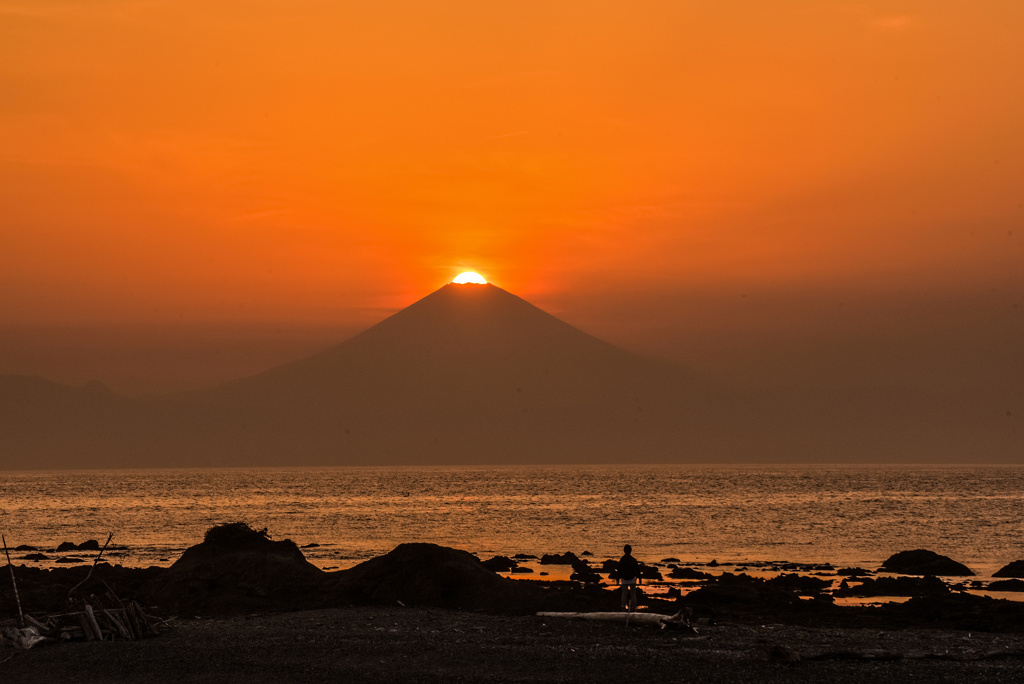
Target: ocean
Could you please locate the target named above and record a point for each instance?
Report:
(844, 515)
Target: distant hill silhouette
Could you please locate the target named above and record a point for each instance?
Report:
(473, 374)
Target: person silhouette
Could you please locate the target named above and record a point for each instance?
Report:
(628, 572)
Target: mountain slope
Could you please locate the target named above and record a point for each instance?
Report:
(470, 373)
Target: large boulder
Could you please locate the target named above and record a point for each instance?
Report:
(1014, 569)
(238, 569)
(924, 562)
(437, 576)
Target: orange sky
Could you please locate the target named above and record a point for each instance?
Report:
(676, 177)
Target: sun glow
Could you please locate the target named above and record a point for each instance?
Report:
(469, 277)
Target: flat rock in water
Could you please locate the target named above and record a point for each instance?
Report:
(853, 572)
(1006, 585)
(924, 562)
(687, 573)
(567, 558)
(500, 564)
(894, 586)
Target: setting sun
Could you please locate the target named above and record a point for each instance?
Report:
(469, 277)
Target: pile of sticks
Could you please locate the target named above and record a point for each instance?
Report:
(90, 619)
(98, 619)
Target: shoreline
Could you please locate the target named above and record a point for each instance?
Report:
(244, 608)
(533, 569)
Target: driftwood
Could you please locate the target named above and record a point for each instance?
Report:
(91, 619)
(71, 591)
(677, 621)
(17, 599)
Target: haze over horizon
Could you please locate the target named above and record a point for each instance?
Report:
(796, 195)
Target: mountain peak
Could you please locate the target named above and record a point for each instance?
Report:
(472, 319)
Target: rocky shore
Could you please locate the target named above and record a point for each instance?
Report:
(240, 607)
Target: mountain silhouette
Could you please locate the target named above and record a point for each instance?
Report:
(468, 374)
(472, 374)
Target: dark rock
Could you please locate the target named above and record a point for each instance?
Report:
(500, 564)
(436, 576)
(519, 570)
(1006, 585)
(649, 572)
(957, 611)
(239, 569)
(69, 559)
(751, 594)
(853, 572)
(25, 547)
(585, 577)
(524, 556)
(801, 583)
(586, 553)
(35, 557)
(924, 562)
(236, 535)
(670, 560)
(582, 572)
(1014, 569)
(67, 546)
(730, 578)
(894, 586)
(687, 573)
(586, 574)
(567, 558)
(311, 545)
(90, 545)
